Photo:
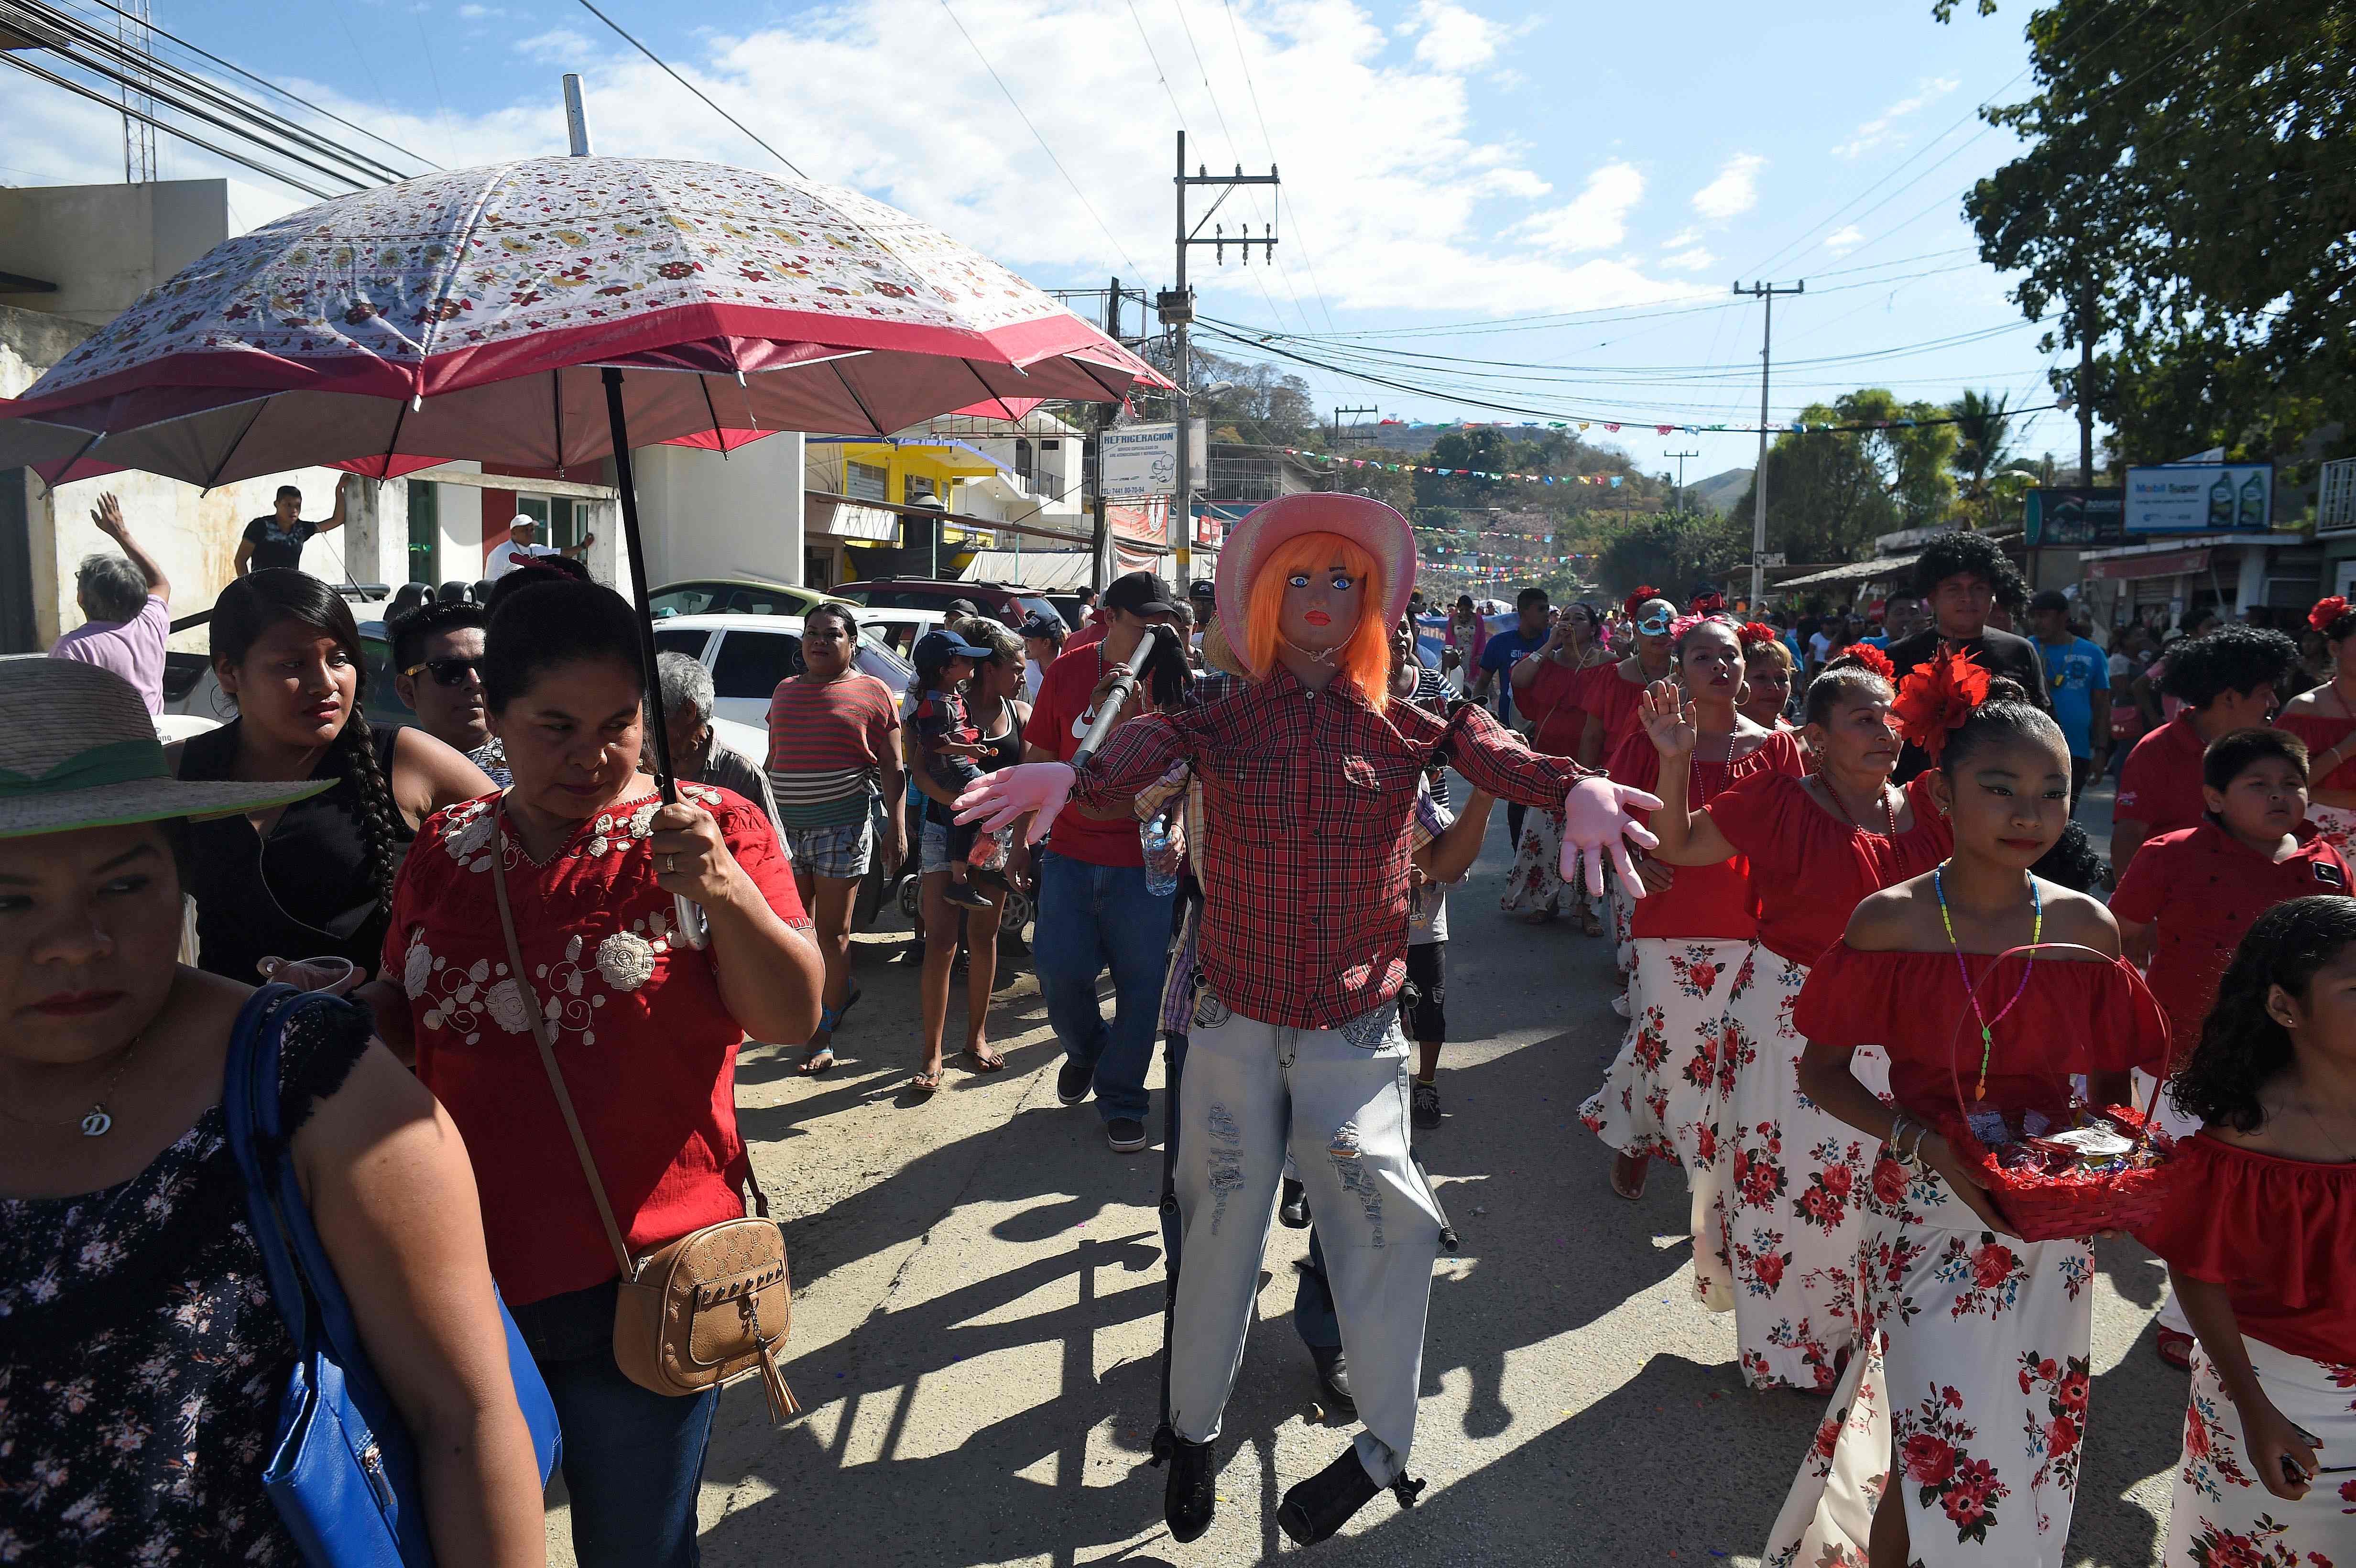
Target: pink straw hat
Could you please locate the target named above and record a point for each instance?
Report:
(1381, 531)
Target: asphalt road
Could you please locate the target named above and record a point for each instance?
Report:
(979, 1313)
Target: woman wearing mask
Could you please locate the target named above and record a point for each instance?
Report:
(313, 877)
(645, 1028)
(993, 706)
(143, 1362)
(1549, 691)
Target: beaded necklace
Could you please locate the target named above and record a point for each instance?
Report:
(1971, 992)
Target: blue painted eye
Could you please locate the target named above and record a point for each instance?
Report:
(1344, 584)
(1298, 580)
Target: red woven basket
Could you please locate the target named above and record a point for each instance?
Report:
(2043, 1207)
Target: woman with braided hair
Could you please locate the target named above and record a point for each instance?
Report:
(314, 877)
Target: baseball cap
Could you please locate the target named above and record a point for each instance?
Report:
(1202, 590)
(1140, 594)
(1038, 625)
(964, 607)
(940, 647)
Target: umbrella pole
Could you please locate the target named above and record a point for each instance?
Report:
(693, 923)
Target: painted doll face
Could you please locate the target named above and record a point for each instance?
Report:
(1321, 608)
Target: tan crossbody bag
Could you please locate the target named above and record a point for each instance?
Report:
(708, 1309)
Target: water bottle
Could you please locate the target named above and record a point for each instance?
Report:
(1160, 842)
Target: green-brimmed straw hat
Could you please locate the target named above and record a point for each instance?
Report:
(78, 750)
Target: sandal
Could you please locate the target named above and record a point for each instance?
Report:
(993, 1063)
(820, 1060)
(2175, 1347)
(926, 1083)
(1628, 1172)
(1588, 924)
(830, 1019)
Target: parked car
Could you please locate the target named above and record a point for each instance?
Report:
(1009, 602)
(1067, 606)
(749, 654)
(899, 629)
(736, 596)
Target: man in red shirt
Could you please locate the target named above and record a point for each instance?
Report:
(1310, 773)
(1096, 908)
(2227, 679)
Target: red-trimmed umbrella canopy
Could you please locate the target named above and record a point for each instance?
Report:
(470, 314)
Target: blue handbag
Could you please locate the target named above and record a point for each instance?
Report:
(342, 1471)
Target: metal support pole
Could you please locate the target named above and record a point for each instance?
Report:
(576, 119)
(1677, 503)
(1767, 292)
(2086, 387)
(1182, 500)
(1100, 530)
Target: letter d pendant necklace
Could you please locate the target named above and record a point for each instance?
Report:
(97, 1122)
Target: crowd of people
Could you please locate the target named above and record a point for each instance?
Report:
(1887, 1009)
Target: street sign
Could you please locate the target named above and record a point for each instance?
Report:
(1140, 462)
(2075, 518)
(1771, 557)
(2200, 498)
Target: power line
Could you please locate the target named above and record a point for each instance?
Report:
(15, 58)
(1316, 289)
(746, 129)
(1044, 148)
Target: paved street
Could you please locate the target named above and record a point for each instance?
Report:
(979, 1313)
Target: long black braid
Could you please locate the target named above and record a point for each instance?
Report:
(251, 606)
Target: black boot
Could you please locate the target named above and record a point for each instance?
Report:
(1189, 1497)
(1293, 1209)
(1324, 1503)
(1334, 1382)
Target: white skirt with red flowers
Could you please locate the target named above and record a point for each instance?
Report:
(1795, 1186)
(2221, 1515)
(1661, 1094)
(1975, 1379)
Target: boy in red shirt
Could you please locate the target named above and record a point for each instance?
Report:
(2226, 680)
(2185, 904)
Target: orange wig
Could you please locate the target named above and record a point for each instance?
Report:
(1365, 659)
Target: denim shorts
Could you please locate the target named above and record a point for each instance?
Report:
(933, 846)
(841, 850)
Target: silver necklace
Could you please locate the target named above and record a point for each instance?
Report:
(97, 1122)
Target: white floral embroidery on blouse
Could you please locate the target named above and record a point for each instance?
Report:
(571, 990)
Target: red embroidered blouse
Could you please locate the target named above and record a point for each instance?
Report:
(648, 1051)
(2280, 1236)
(2322, 731)
(1811, 869)
(1717, 901)
(2076, 1015)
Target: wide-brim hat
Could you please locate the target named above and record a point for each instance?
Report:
(78, 750)
(1375, 528)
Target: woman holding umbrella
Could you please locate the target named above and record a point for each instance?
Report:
(646, 1030)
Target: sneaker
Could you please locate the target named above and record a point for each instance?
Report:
(1423, 1103)
(1323, 1504)
(964, 895)
(1334, 1382)
(1294, 1209)
(1189, 1495)
(1125, 1134)
(1073, 1080)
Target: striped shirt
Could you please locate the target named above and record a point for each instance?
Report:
(827, 741)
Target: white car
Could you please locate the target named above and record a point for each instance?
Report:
(749, 654)
(899, 629)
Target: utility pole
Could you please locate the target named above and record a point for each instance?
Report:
(1767, 292)
(1177, 311)
(1681, 457)
(1334, 441)
(2086, 386)
(1100, 521)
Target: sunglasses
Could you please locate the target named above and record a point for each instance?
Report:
(1655, 626)
(445, 671)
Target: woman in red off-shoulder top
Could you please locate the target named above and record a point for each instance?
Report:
(2325, 719)
(1691, 938)
(2262, 1247)
(1968, 1420)
(1816, 846)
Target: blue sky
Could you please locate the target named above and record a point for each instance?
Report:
(1572, 186)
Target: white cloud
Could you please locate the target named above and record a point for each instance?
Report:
(1690, 260)
(1734, 192)
(1594, 219)
(472, 13)
(1876, 131)
(1454, 39)
(1848, 239)
(1387, 184)
(558, 46)
(1681, 239)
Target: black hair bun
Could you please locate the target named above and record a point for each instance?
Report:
(2004, 689)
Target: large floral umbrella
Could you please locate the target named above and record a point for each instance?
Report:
(471, 314)
(551, 312)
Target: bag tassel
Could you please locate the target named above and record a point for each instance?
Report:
(783, 1406)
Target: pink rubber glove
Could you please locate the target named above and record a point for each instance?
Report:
(1595, 822)
(1039, 788)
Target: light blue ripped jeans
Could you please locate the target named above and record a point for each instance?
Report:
(1340, 1097)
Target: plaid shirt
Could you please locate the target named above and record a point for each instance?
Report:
(1309, 797)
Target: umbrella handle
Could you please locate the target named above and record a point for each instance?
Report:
(694, 925)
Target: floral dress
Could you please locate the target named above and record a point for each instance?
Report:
(1976, 1365)
(141, 1355)
(648, 1049)
(2280, 1236)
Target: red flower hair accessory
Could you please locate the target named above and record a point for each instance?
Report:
(1709, 603)
(1935, 697)
(1872, 658)
(1645, 593)
(1751, 633)
(2326, 611)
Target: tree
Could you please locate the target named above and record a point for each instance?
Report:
(2186, 194)
(1983, 438)
(1675, 549)
(1829, 492)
